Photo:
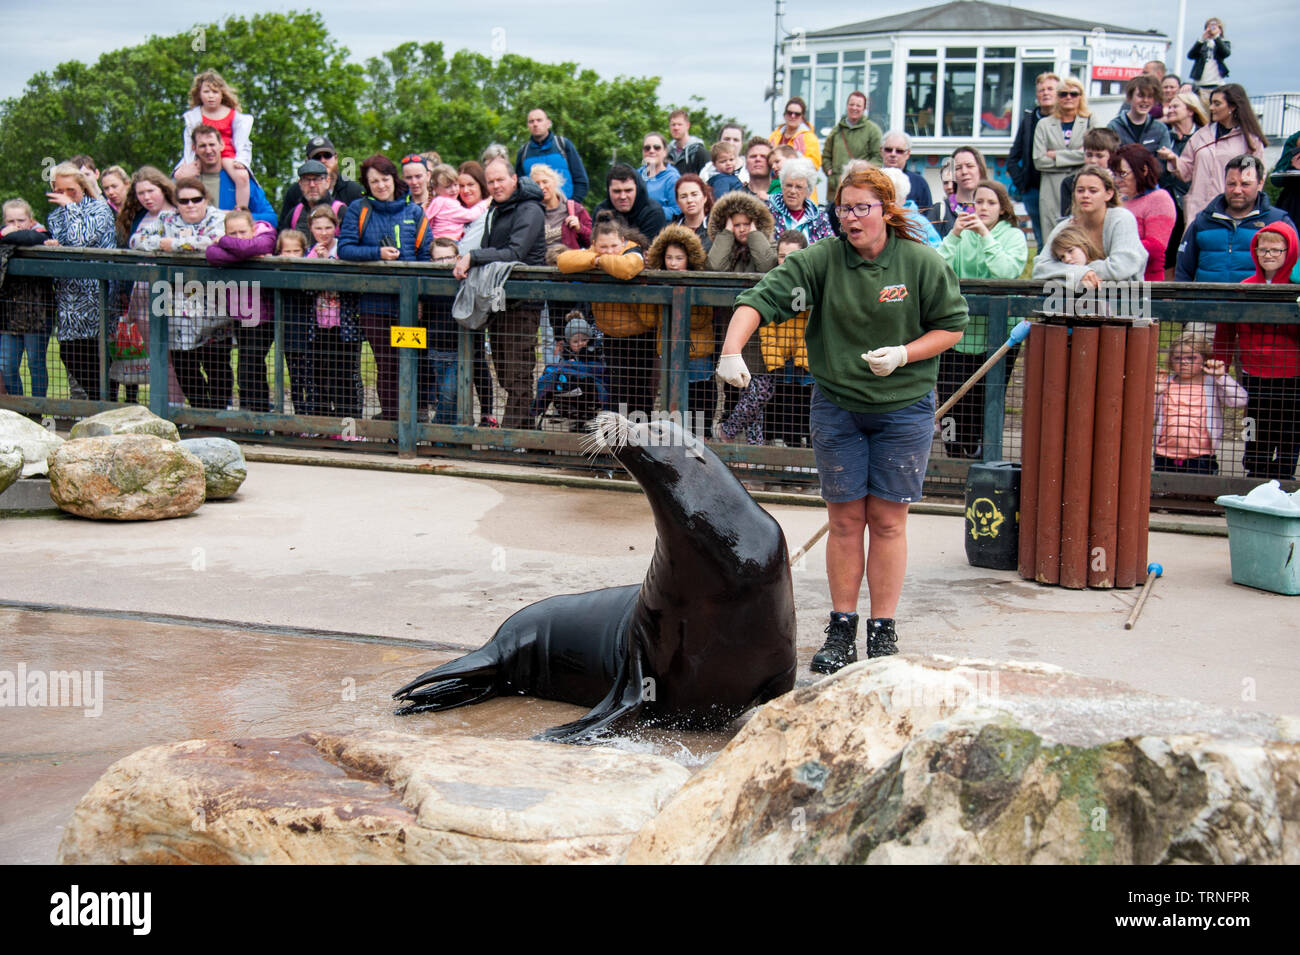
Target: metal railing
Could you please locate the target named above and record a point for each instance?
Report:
(674, 294)
(1279, 114)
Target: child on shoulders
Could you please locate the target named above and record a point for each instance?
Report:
(213, 103)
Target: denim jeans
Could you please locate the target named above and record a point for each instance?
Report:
(442, 385)
(12, 346)
(1030, 199)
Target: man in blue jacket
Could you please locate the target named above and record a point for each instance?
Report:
(220, 187)
(1216, 246)
(555, 151)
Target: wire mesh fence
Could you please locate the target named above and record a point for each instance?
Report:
(307, 352)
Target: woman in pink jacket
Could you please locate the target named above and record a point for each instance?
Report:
(1233, 129)
(1137, 174)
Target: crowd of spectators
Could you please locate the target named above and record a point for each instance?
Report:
(1172, 187)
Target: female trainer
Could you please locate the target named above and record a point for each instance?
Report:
(884, 305)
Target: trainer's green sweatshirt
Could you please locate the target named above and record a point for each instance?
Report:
(858, 305)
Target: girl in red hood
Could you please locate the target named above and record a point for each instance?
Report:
(1270, 364)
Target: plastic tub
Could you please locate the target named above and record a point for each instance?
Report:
(1264, 544)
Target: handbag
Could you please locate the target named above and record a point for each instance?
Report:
(128, 341)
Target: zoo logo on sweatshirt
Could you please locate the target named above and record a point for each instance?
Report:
(893, 293)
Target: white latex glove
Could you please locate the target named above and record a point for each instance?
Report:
(732, 370)
(883, 361)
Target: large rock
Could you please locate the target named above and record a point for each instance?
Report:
(925, 761)
(37, 443)
(128, 419)
(126, 477)
(11, 464)
(368, 797)
(224, 468)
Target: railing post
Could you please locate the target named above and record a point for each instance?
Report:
(465, 376)
(159, 352)
(279, 352)
(995, 392)
(677, 350)
(408, 372)
(102, 340)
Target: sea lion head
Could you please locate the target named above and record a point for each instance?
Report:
(694, 495)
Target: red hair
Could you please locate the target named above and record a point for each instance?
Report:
(894, 215)
(704, 188)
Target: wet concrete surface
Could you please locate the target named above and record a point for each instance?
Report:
(405, 571)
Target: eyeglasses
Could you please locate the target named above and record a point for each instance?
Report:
(414, 157)
(1123, 174)
(1069, 94)
(890, 149)
(1260, 250)
(326, 154)
(650, 149)
(794, 112)
(860, 210)
(192, 201)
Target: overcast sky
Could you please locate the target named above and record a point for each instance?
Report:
(702, 48)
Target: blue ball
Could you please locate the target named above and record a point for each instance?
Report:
(1155, 569)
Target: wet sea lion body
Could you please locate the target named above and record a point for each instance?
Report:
(709, 633)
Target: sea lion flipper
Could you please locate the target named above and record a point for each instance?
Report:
(470, 679)
(623, 700)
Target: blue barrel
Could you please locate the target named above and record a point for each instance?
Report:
(992, 528)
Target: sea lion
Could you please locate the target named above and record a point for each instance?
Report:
(709, 633)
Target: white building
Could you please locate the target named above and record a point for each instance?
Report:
(960, 73)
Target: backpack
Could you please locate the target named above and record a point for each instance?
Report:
(336, 205)
(420, 230)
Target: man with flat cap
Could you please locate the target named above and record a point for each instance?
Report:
(322, 151)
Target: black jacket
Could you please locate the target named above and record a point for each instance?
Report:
(1199, 53)
(646, 216)
(692, 159)
(515, 230)
(1020, 161)
(345, 191)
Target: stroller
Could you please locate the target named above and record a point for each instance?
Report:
(577, 386)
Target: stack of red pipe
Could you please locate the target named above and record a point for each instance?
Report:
(1085, 481)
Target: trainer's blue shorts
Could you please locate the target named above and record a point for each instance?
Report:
(884, 455)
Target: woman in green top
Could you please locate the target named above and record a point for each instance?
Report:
(984, 244)
(883, 306)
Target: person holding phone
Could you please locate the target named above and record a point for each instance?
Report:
(1207, 55)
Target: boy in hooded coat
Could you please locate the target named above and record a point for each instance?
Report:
(1270, 367)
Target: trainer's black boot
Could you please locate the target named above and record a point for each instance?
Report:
(840, 648)
(882, 641)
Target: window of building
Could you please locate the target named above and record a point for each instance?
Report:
(882, 78)
(998, 99)
(800, 84)
(1029, 73)
(851, 78)
(1079, 64)
(959, 84)
(822, 105)
(920, 97)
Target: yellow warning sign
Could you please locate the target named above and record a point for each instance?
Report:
(984, 518)
(403, 336)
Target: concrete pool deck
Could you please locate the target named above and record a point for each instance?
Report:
(305, 600)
